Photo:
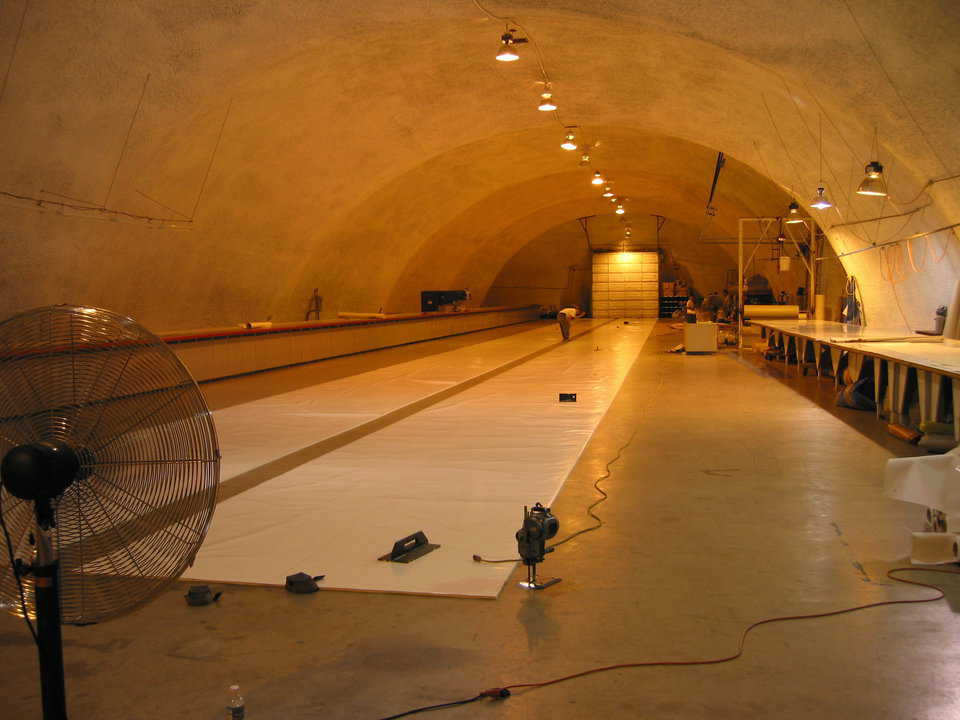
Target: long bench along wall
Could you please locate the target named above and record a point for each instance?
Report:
(226, 352)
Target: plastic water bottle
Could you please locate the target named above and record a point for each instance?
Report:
(235, 709)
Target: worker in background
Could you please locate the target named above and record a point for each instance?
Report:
(711, 305)
(565, 317)
(726, 309)
(691, 310)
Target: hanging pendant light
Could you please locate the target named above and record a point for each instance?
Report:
(508, 47)
(873, 184)
(820, 201)
(793, 214)
(569, 142)
(620, 210)
(597, 179)
(607, 191)
(585, 159)
(546, 99)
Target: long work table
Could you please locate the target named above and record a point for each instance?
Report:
(914, 365)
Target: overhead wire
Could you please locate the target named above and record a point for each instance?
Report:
(41, 202)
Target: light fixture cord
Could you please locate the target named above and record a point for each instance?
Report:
(820, 124)
(536, 47)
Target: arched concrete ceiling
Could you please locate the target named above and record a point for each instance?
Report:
(364, 148)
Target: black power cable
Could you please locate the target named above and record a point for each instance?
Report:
(504, 691)
(598, 523)
(496, 693)
(16, 573)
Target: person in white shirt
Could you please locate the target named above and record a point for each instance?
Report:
(565, 316)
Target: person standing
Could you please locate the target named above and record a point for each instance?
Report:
(565, 317)
(691, 310)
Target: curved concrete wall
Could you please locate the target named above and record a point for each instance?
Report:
(368, 150)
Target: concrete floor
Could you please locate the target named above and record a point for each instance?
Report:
(743, 495)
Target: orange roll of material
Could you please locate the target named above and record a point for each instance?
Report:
(906, 434)
(758, 312)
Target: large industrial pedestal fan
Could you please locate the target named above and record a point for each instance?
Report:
(109, 473)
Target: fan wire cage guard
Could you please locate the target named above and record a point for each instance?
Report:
(139, 507)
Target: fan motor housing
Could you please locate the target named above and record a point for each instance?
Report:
(39, 471)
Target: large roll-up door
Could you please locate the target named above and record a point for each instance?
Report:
(626, 284)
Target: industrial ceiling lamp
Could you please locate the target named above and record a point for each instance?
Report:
(570, 141)
(607, 191)
(793, 214)
(873, 185)
(597, 179)
(508, 46)
(585, 159)
(820, 201)
(546, 99)
(619, 210)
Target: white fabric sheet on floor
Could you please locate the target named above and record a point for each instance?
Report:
(461, 471)
(932, 481)
(257, 432)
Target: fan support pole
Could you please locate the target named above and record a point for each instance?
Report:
(50, 641)
(40, 472)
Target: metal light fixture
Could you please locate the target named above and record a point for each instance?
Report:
(873, 184)
(607, 191)
(508, 46)
(820, 201)
(620, 210)
(569, 142)
(597, 179)
(585, 159)
(793, 214)
(546, 99)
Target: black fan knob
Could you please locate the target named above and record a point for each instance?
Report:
(39, 471)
